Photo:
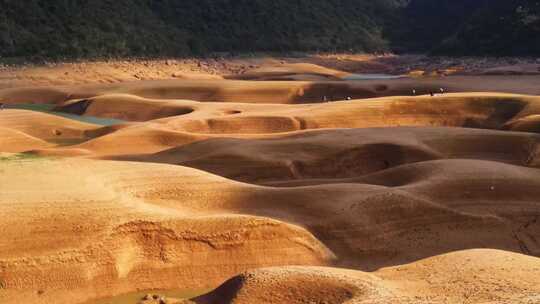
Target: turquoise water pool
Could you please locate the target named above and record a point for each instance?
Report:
(372, 77)
(48, 108)
(135, 297)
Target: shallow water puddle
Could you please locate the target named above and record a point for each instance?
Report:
(372, 77)
(47, 108)
(135, 297)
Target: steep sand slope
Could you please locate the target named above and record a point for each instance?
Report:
(471, 276)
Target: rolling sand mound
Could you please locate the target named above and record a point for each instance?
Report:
(294, 71)
(102, 234)
(480, 110)
(129, 221)
(44, 126)
(16, 141)
(490, 111)
(145, 138)
(480, 276)
(344, 153)
(298, 285)
(221, 123)
(125, 107)
(274, 91)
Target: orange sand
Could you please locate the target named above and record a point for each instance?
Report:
(260, 189)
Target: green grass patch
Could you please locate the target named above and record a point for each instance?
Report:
(19, 157)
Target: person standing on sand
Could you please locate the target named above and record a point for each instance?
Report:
(442, 90)
(414, 92)
(1, 106)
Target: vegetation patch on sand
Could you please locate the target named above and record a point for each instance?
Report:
(19, 157)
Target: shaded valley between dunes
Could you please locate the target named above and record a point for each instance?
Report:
(273, 191)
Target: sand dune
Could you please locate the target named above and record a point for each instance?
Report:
(476, 110)
(259, 189)
(490, 111)
(99, 234)
(46, 127)
(295, 71)
(345, 153)
(126, 107)
(480, 276)
(17, 141)
(299, 285)
(224, 126)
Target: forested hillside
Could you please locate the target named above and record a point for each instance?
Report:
(171, 27)
(98, 28)
(503, 27)
(465, 27)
